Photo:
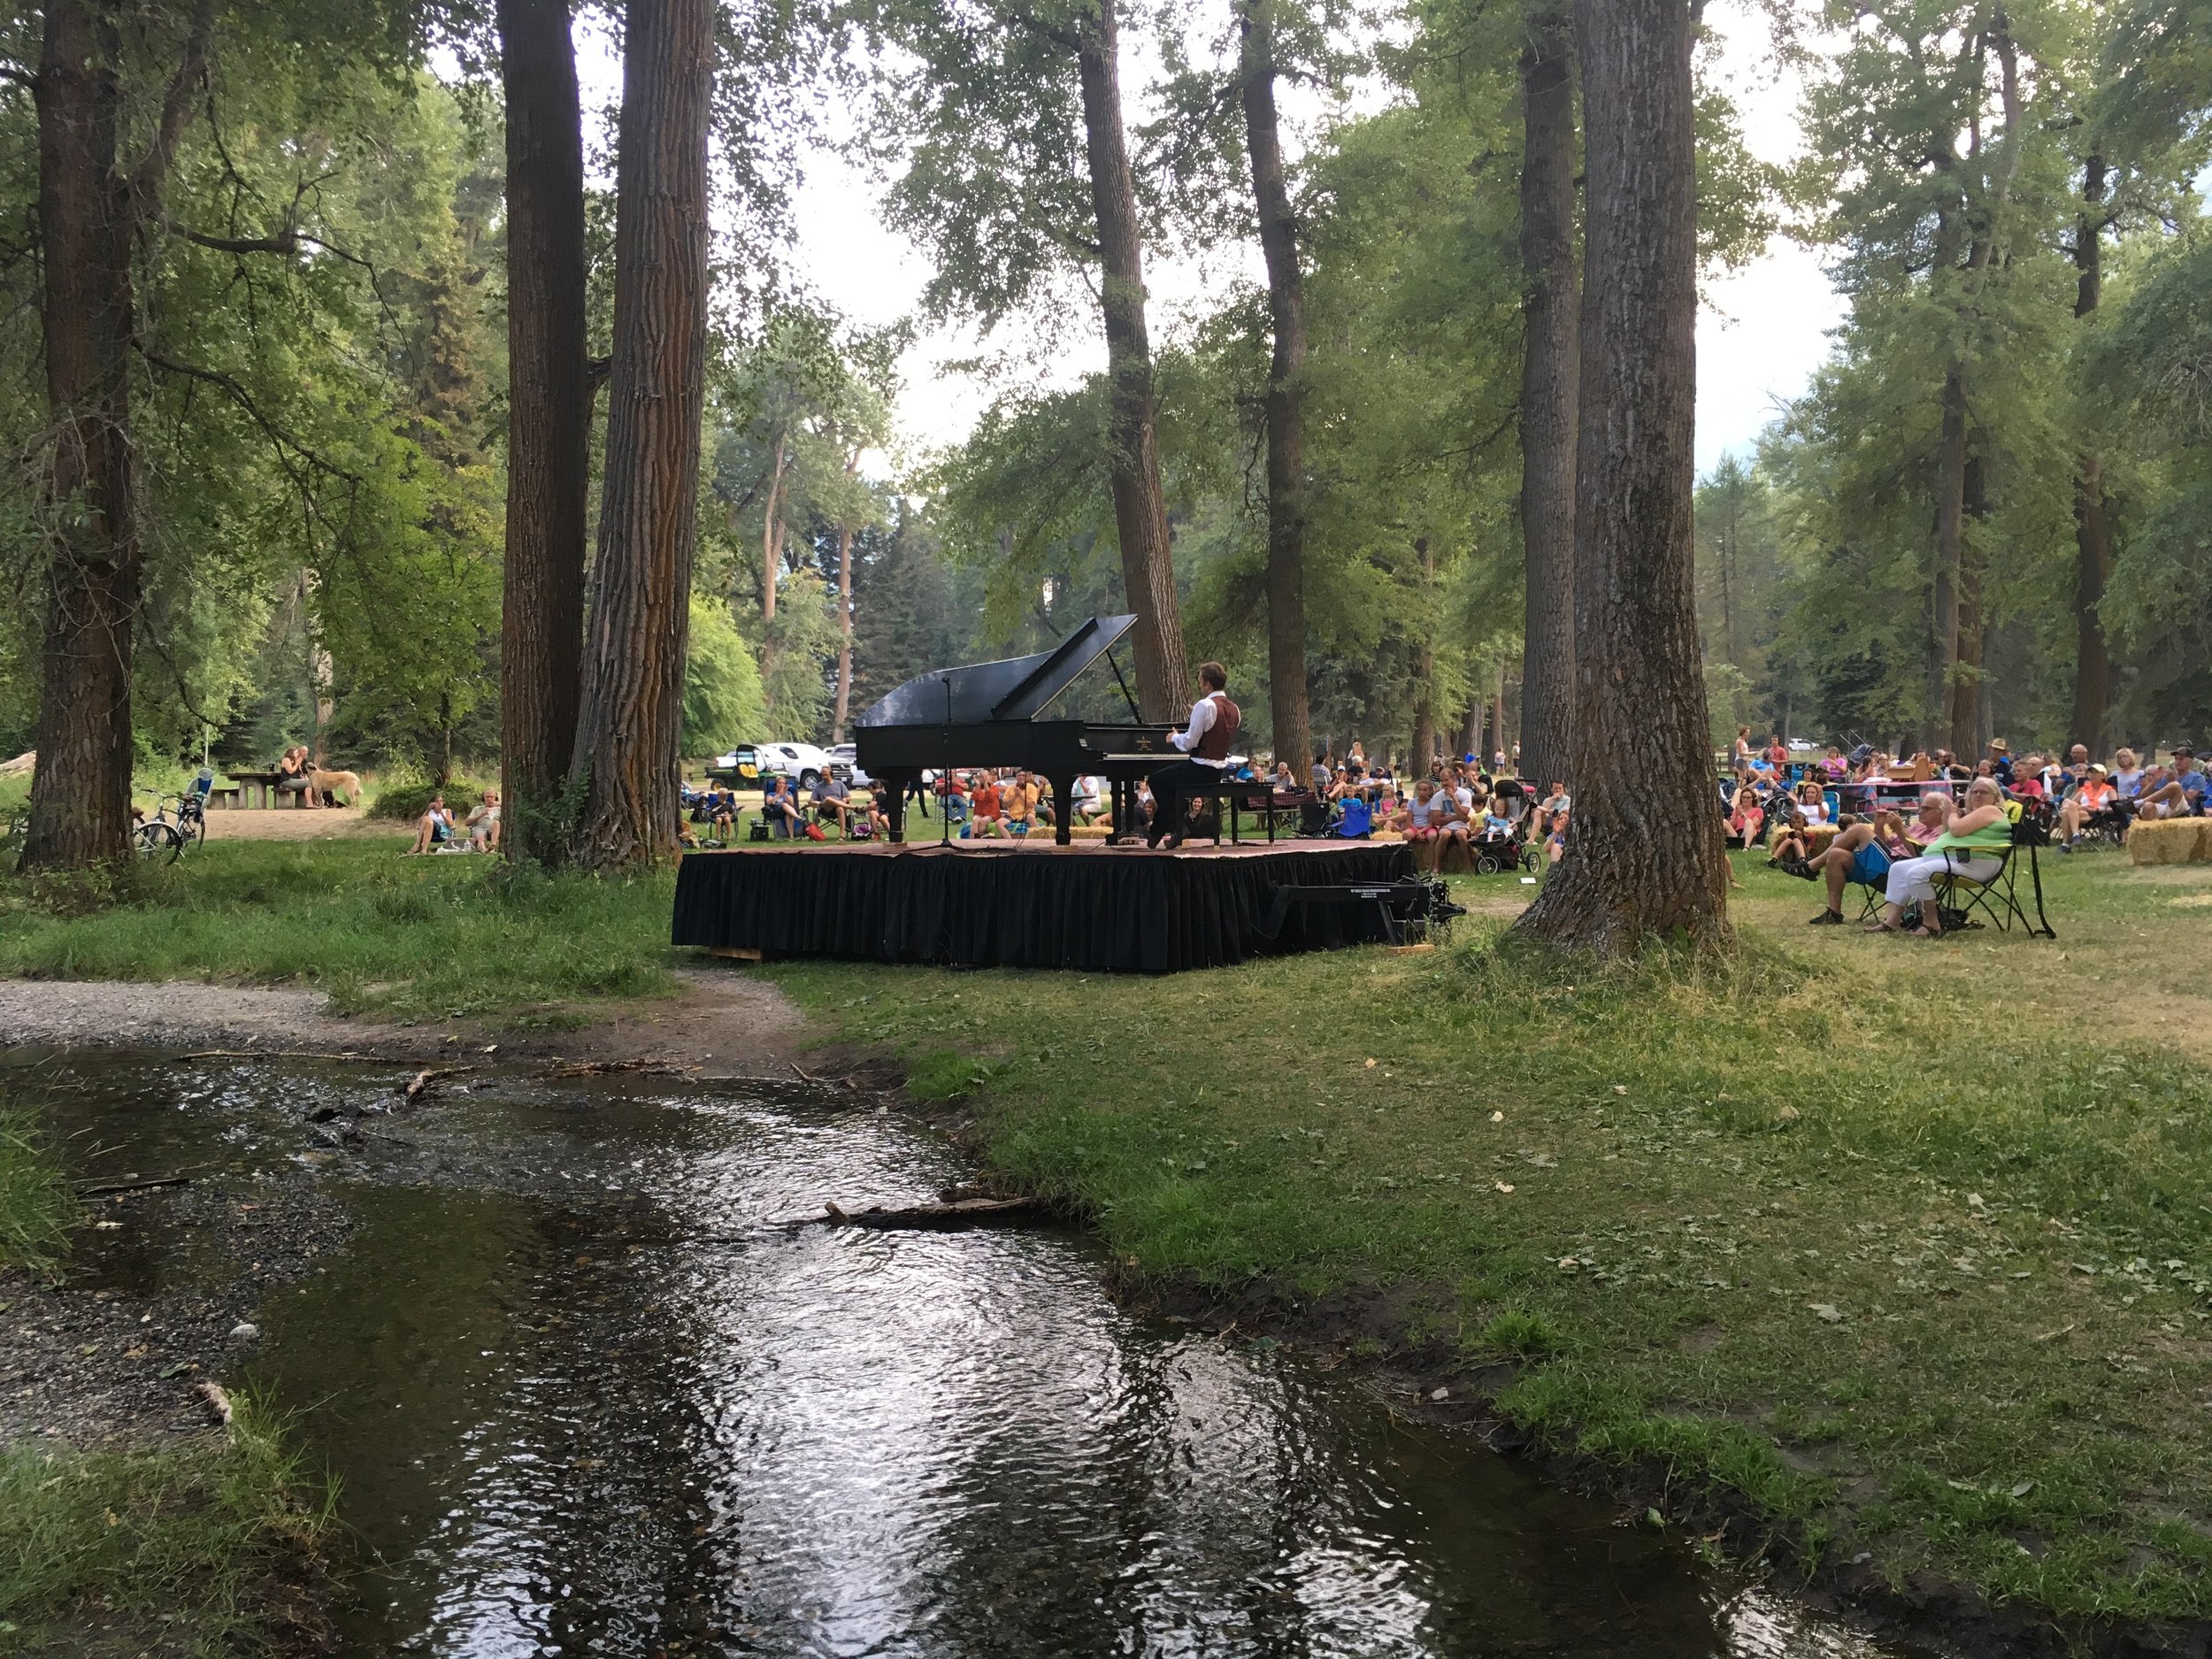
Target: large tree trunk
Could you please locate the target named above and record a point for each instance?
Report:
(631, 725)
(1950, 526)
(81, 789)
(1425, 668)
(2093, 529)
(1549, 364)
(1949, 679)
(1966, 676)
(844, 632)
(1164, 679)
(1285, 438)
(548, 445)
(1645, 856)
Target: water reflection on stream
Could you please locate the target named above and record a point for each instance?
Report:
(582, 1401)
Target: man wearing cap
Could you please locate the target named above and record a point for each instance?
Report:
(2091, 796)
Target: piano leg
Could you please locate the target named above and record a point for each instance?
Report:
(1063, 809)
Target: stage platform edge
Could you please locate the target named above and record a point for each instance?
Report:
(1092, 910)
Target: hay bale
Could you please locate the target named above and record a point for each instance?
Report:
(1443, 855)
(2171, 841)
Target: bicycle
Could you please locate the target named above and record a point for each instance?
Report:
(162, 839)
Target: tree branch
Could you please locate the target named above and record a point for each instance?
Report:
(153, 167)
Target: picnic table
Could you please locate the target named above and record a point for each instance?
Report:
(261, 785)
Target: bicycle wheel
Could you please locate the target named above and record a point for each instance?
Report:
(192, 828)
(158, 842)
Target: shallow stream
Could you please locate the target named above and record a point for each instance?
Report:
(583, 1398)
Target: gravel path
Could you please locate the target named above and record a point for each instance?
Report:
(723, 1022)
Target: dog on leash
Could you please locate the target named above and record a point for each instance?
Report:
(327, 783)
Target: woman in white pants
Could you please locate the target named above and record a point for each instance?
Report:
(1913, 881)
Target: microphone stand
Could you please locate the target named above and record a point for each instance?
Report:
(944, 802)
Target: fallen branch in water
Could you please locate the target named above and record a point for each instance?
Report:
(272, 1053)
(108, 1189)
(595, 1068)
(432, 1074)
(962, 1212)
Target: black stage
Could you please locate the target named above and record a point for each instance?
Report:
(1028, 904)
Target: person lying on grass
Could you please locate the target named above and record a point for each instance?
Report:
(1863, 852)
(435, 828)
(1955, 853)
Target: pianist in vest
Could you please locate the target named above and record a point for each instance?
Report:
(1205, 744)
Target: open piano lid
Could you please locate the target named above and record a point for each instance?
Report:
(1018, 688)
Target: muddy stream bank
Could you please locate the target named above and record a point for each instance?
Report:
(585, 1394)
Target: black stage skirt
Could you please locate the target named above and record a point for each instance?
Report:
(1020, 907)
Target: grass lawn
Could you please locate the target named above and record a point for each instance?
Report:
(385, 934)
(188, 1542)
(1907, 1241)
(172, 1543)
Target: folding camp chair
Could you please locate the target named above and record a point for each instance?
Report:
(1997, 895)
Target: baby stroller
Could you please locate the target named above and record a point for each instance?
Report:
(1495, 852)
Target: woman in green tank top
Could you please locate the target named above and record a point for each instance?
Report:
(1971, 847)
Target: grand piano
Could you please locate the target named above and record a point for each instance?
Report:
(998, 715)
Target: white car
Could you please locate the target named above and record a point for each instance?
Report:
(804, 764)
(846, 758)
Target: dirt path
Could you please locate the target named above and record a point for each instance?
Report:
(298, 823)
(724, 1023)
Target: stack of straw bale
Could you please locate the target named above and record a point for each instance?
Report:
(2172, 841)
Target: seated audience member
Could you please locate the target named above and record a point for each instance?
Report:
(1410, 817)
(722, 814)
(1497, 824)
(953, 790)
(1864, 851)
(1787, 843)
(1450, 817)
(1954, 853)
(1090, 798)
(1145, 806)
(779, 807)
(2000, 760)
(1018, 804)
(989, 805)
(865, 820)
(435, 827)
(2127, 774)
(1744, 815)
(834, 799)
(1834, 767)
(2092, 798)
(2178, 793)
(1555, 839)
(1554, 806)
(483, 823)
